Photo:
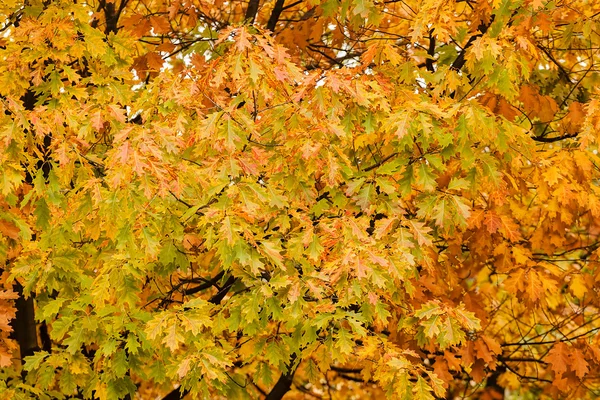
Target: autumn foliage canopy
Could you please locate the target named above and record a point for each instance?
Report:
(331, 199)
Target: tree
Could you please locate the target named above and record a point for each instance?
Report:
(319, 199)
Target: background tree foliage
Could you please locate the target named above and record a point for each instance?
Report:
(317, 198)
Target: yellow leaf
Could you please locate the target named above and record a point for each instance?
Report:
(578, 286)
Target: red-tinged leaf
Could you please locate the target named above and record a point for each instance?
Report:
(463, 209)
(383, 227)
(372, 50)
(184, 367)
(281, 74)
(353, 186)
(124, 152)
(97, 120)
(294, 292)
(378, 260)
(273, 252)
(402, 123)
(492, 222)
(510, 229)
(421, 233)
(357, 232)
(227, 230)
(248, 166)
(241, 39)
(361, 268)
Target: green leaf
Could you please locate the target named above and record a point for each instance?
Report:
(344, 341)
(264, 374)
(120, 365)
(428, 310)
(392, 166)
(421, 390)
(67, 383)
(467, 318)
(33, 362)
(431, 326)
(52, 307)
(42, 213)
(365, 197)
(441, 213)
(458, 184)
(152, 243)
(426, 178)
(173, 337)
(382, 313)
(353, 186)
(453, 335)
(314, 248)
(437, 385)
(275, 354)
(405, 183)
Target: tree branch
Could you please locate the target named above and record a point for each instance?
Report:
(346, 370)
(543, 139)
(284, 383)
(217, 298)
(381, 162)
(176, 394)
(275, 14)
(24, 328)
(207, 284)
(460, 61)
(430, 52)
(251, 11)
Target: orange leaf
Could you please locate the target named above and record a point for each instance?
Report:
(558, 358)
(492, 344)
(483, 351)
(9, 229)
(534, 289)
(154, 60)
(160, 24)
(579, 365)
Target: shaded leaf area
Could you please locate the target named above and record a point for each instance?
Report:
(310, 199)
